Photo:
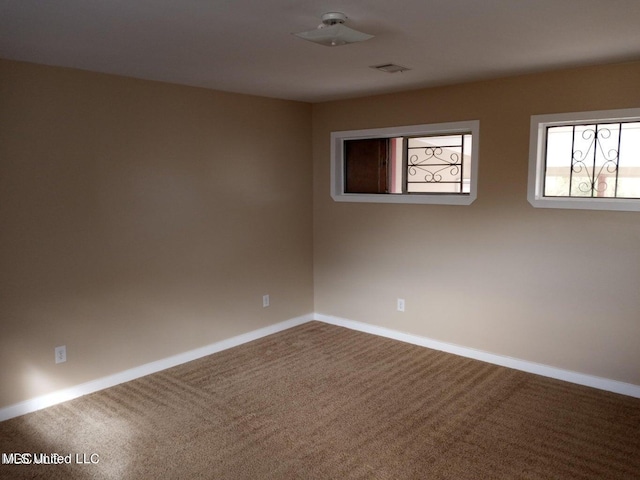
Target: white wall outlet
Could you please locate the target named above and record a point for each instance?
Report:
(401, 304)
(61, 354)
(265, 300)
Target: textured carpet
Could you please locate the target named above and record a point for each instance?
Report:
(324, 402)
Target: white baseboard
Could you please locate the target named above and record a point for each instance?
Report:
(517, 364)
(60, 396)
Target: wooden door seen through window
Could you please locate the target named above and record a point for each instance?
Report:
(366, 165)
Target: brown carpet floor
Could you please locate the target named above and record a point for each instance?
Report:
(323, 402)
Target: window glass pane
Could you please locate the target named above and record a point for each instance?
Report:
(366, 165)
(558, 161)
(604, 177)
(436, 164)
(593, 160)
(629, 165)
(434, 187)
(434, 141)
(582, 161)
(395, 169)
(466, 167)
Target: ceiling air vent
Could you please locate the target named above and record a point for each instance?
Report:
(390, 68)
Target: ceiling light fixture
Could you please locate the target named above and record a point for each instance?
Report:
(332, 32)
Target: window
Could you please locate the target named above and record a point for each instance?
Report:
(587, 160)
(435, 163)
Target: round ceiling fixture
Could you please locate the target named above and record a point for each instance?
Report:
(332, 32)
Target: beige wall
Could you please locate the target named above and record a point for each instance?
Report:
(126, 233)
(558, 287)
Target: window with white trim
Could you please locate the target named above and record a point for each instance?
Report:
(585, 160)
(435, 163)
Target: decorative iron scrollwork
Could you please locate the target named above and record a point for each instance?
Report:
(593, 164)
(434, 154)
(436, 164)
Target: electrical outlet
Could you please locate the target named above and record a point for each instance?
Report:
(401, 304)
(61, 354)
(265, 300)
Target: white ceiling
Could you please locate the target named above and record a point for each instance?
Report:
(246, 45)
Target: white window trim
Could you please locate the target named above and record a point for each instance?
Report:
(539, 124)
(337, 163)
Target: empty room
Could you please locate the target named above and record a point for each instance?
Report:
(295, 240)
